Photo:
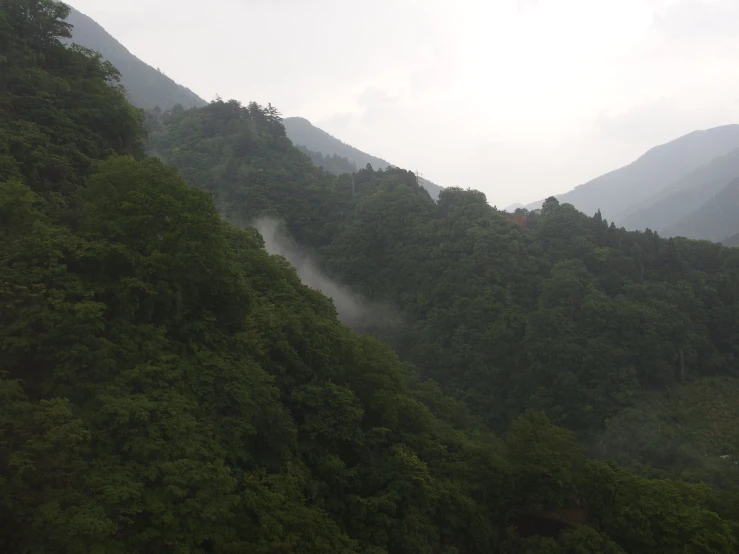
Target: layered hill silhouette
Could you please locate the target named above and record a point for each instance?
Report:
(716, 219)
(146, 87)
(169, 384)
(316, 141)
(621, 195)
(662, 212)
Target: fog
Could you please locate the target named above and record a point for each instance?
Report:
(353, 310)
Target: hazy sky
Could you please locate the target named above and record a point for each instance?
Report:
(517, 98)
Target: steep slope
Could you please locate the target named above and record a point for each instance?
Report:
(168, 386)
(685, 196)
(507, 317)
(316, 141)
(302, 132)
(621, 192)
(716, 220)
(146, 87)
(333, 164)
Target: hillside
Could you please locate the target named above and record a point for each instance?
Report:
(316, 141)
(731, 241)
(146, 87)
(167, 385)
(714, 220)
(691, 429)
(505, 319)
(485, 302)
(686, 196)
(626, 190)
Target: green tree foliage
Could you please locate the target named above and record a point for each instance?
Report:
(504, 317)
(168, 386)
(333, 164)
(146, 87)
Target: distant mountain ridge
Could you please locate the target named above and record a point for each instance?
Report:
(317, 141)
(621, 192)
(689, 193)
(514, 207)
(146, 87)
(717, 219)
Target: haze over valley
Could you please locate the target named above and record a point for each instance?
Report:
(226, 329)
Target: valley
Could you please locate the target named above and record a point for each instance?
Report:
(223, 330)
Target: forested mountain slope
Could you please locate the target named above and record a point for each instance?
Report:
(482, 292)
(624, 191)
(145, 86)
(168, 386)
(302, 132)
(685, 196)
(318, 143)
(165, 385)
(714, 220)
(333, 164)
(568, 315)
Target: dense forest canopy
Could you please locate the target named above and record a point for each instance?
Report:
(329, 152)
(167, 385)
(576, 316)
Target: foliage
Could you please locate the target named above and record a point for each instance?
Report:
(334, 155)
(167, 385)
(568, 315)
(333, 164)
(146, 87)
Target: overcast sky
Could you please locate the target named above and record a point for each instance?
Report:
(517, 98)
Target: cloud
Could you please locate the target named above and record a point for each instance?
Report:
(353, 310)
(698, 20)
(526, 6)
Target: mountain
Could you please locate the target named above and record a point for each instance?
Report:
(166, 385)
(732, 241)
(686, 195)
(715, 220)
(622, 192)
(505, 318)
(169, 385)
(146, 87)
(514, 207)
(316, 141)
(508, 316)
